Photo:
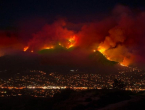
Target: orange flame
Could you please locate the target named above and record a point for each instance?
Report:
(108, 58)
(101, 49)
(70, 46)
(50, 47)
(72, 40)
(25, 48)
(123, 64)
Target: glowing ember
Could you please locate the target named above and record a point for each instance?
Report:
(25, 48)
(47, 47)
(94, 50)
(123, 64)
(32, 51)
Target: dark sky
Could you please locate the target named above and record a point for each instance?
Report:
(14, 10)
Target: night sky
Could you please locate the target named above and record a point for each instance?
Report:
(13, 11)
(73, 32)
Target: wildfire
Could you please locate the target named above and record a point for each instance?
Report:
(123, 64)
(49, 47)
(70, 42)
(101, 49)
(72, 39)
(108, 58)
(25, 48)
(71, 45)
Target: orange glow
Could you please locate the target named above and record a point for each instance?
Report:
(101, 49)
(51, 47)
(71, 45)
(66, 43)
(94, 50)
(123, 64)
(72, 42)
(47, 47)
(25, 48)
(72, 39)
(108, 58)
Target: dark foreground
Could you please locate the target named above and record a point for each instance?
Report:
(78, 100)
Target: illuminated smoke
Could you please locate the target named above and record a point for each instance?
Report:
(124, 40)
(25, 48)
(119, 37)
(9, 43)
(110, 48)
(51, 36)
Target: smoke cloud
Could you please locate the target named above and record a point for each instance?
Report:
(9, 42)
(119, 37)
